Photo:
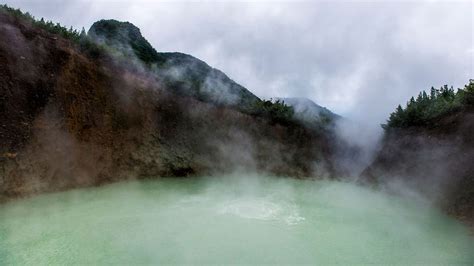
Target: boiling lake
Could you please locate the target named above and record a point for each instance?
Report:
(243, 219)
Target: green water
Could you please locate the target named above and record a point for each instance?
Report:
(234, 219)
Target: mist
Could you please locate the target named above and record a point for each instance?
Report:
(243, 218)
(360, 65)
(358, 59)
(207, 175)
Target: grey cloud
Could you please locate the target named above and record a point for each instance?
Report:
(359, 59)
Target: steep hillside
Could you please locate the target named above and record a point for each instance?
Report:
(434, 158)
(73, 114)
(182, 73)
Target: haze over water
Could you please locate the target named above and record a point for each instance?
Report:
(243, 219)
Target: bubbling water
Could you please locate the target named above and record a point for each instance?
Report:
(260, 209)
(244, 219)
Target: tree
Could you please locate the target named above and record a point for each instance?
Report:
(83, 33)
(425, 109)
(433, 93)
(276, 111)
(425, 97)
(468, 97)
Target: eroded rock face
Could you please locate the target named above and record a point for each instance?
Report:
(71, 120)
(436, 161)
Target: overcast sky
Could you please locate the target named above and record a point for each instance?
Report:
(359, 59)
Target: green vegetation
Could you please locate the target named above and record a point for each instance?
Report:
(80, 38)
(115, 34)
(49, 26)
(276, 111)
(426, 108)
(114, 37)
(123, 42)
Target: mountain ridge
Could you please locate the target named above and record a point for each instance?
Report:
(186, 74)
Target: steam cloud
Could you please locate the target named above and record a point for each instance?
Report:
(358, 59)
(382, 60)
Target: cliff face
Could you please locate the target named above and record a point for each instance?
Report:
(436, 161)
(69, 119)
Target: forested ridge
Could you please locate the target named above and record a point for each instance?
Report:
(430, 106)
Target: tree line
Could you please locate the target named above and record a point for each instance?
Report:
(55, 28)
(429, 106)
(85, 44)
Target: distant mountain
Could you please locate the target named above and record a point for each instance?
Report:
(182, 73)
(309, 112)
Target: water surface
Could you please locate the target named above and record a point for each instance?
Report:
(233, 219)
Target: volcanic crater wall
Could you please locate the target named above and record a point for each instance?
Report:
(436, 161)
(71, 120)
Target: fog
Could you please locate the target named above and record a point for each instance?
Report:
(239, 218)
(359, 59)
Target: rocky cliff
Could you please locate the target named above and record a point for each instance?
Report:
(86, 110)
(435, 160)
